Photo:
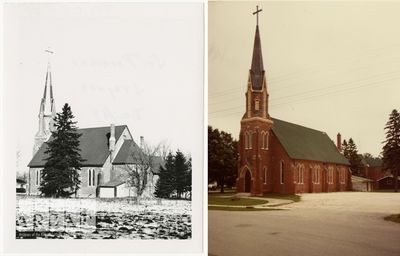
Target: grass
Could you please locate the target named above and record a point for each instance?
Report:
(383, 190)
(247, 209)
(294, 198)
(236, 201)
(393, 217)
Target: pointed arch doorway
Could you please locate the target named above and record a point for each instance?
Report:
(247, 181)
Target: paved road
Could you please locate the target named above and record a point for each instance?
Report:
(327, 224)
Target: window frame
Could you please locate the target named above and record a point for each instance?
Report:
(281, 169)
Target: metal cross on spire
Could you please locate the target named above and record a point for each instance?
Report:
(49, 52)
(256, 12)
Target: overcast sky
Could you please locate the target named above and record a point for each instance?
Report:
(331, 66)
(129, 63)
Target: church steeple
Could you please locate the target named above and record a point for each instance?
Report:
(46, 122)
(257, 94)
(255, 128)
(257, 66)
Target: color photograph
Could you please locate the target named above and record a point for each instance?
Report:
(303, 128)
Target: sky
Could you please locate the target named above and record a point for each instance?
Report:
(331, 66)
(129, 63)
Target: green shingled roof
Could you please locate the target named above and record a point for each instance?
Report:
(304, 143)
(93, 145)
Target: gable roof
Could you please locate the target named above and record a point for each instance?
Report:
(93, 145)
(307, 144)
(125, 156)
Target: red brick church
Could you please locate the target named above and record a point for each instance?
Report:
(276, 156)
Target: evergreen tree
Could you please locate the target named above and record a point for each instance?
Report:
(391, 149)
(60, 177)
(353, 157)
(180, 174)
(164, 185)
(188, 180)
(345, 149)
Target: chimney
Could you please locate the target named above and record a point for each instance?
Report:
(112, 141)
(339, 142)
(141, 142)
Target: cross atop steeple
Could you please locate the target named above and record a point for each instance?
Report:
(256, 12)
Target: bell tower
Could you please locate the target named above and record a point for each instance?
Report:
(46, 115)
(255, 127)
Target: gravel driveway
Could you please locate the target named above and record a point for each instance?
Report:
(344, 223)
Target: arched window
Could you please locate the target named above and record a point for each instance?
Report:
(330, 175)
(282, 168)
(300, 178)
(264, 142)
(38, 177)
(250, 140)
(246, 141)
(257, 105)
(342, 175)
(316, 171)
(91, 177)
(265, 175)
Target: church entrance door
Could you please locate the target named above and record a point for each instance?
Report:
(247, 182)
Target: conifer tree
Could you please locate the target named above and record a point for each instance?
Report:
(60, 176)
(180, 174)
(164, 185)
(354, 158)
(391, 149)
(188, 180)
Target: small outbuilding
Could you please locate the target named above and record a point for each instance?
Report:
(361, 183)
(387, 182)
(113, 189)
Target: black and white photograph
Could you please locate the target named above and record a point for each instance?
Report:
(103, 111)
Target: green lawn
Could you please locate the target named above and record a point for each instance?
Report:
(393, 217)
(383, 190)
(294, 198)
(236, 201)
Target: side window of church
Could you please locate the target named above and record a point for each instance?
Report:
(250, 140)
(265, 175)
(282, 174)
(91, 177)
(38, 177)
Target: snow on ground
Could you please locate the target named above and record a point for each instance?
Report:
(103, 218)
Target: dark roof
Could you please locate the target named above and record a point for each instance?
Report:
(93, 145)
(112, 183)
(124, 155)
(307, 144)
(257, 66)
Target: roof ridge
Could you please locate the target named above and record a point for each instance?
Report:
(87, 128)
(300, 125)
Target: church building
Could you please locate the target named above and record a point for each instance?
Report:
(277, 156)
(107, 152)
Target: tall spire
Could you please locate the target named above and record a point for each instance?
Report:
(46, 115)
(257, 66)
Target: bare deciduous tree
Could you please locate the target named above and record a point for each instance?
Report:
(144, 160)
